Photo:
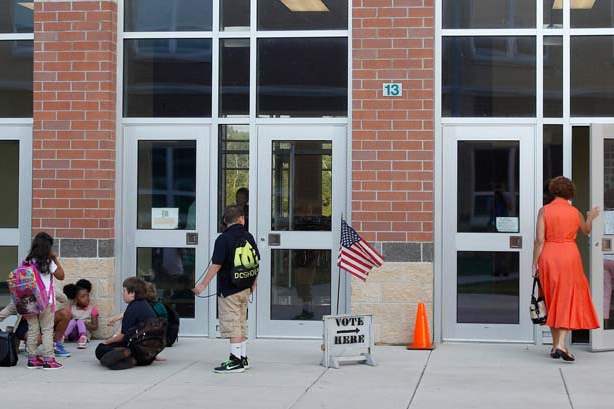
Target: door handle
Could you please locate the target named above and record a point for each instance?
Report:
(515, 242)
(274, 239)
(191, 239)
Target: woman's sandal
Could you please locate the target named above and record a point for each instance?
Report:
(565, 355)
(554, 354)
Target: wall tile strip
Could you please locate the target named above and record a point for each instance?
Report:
(74, 122)
(392, 139)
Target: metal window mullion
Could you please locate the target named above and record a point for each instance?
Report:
(168, 34)
(489, 32)
(567, 129)
(302, 34)
(16, 36)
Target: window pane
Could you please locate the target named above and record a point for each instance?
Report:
(233, 173)
(487, 285)
(553, 156)
(234, 77)
(302, 77)
(8, 262)
(489, 76)
(302, 186)
(16, 68)
(16, 16)
(488, 187)
(234, 15)
(489, 13)
(300, 284)
(9, 180)
(172, 272)
(592, 76)
(592, 13)
(168, 15)
(608, 259)
(167, 78)
(166, 197)
(553, 76)
(553, 14)
(302, 14)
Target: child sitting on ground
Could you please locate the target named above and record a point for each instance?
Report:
(152, 298)
(84, 318)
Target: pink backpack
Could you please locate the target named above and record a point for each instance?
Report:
(27, 290)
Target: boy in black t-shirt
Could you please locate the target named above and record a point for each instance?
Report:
(232, 301)
(114, 353)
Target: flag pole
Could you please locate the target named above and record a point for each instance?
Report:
(339, 272)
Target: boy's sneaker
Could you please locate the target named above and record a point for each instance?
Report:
(244, 362)
(59, 350)
(233, 364)
(82, 343)
(51, 364)
(35, 362)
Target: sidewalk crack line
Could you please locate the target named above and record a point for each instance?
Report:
(308, 388)
(150, 387)
(413, 395)
(566, 388)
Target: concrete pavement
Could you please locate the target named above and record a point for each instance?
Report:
(287, 375)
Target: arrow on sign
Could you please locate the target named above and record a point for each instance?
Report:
(348, 331)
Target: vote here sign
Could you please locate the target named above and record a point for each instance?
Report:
(348, 338)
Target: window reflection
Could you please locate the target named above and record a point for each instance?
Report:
(487, 287)
(9, 176)
(234, 77)
(489, 13)
(553, 157)
(233, 162)
(302, 77)
(168, 15)
(172, 272)
(488, 186)
(553, 76)
(302, 186)
(234, 15)
(592, 76)
(300, 284)
(166, 196)
(8, 262)
(489, 76)
(591, 13)
(302, 15)
(16, 76)
(16, 16)
(167, 78)
(553, 14)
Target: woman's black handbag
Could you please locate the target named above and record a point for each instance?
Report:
(539, 313)
(8, 350)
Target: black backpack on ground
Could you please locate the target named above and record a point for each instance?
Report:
(147, 340)
(172, 329)
(8, 349)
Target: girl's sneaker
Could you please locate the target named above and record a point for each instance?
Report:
(59, 350)
(82, 343)
(51, 363)
(35, 362)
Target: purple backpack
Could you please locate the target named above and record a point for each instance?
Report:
(27, 290)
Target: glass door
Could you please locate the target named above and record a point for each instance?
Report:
(602, 237)
(301, 196)
(488, 224)
(15, 207)
(167, 215)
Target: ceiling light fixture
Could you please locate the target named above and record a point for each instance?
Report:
(575, 4)
(305, 5)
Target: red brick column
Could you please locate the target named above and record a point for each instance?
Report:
(393, 137)
(75, 60)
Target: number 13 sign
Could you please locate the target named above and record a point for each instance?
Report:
(393, 89)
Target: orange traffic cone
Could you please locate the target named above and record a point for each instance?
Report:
(422, 337)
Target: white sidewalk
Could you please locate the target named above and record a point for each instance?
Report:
(287, 375)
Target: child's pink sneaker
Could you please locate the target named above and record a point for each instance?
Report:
(82, 343)
(51, 363)
(35, 362)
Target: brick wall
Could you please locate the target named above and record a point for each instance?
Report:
(74, 124)
(393, 137)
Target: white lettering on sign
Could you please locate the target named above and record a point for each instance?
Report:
(347, 338)
(393, 89)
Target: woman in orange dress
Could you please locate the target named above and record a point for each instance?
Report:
(557, 263)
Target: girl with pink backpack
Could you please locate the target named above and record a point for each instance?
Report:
(46, 267)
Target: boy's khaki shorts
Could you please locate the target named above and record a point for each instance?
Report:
(232, 311)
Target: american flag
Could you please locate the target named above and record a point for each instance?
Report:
(356, 256)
